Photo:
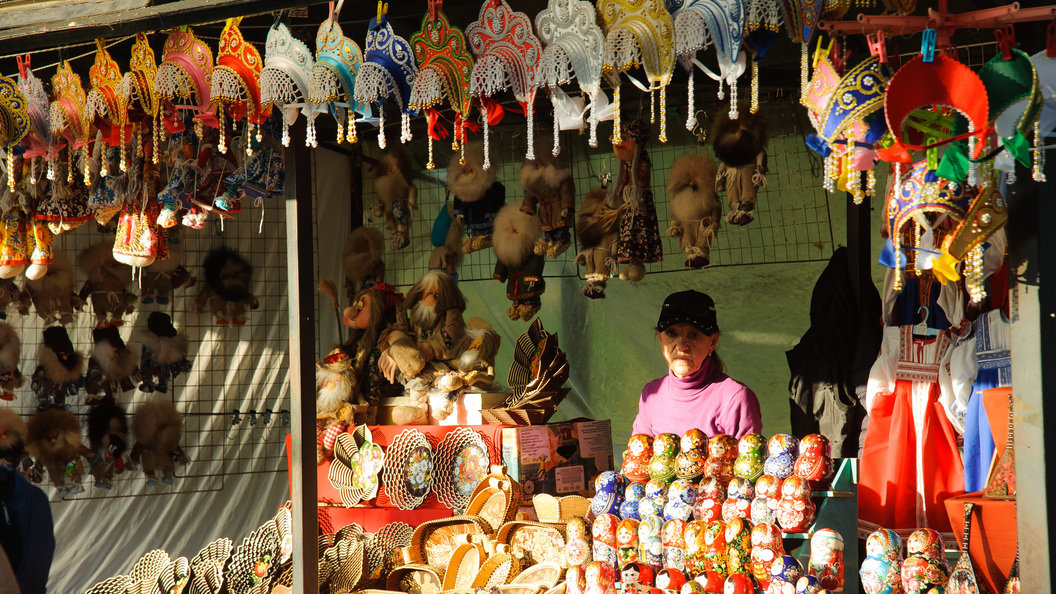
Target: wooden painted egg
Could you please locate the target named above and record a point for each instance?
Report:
(816, 469)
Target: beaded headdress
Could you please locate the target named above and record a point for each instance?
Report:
(137, 86)
(337, 61)
(572, 47)
(284, 80)
(638, 32)
(699, 23)
(185, 73)
(107, 103)
(1013, 116)
(507, 53)
(38, 137)
(1015, 100)
(66, 114)
(236, 81)
(800, 18)
(387, 72)
(14, 123)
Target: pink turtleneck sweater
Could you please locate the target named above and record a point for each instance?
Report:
(708, 400)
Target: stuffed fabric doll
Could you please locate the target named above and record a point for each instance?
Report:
(55, 444)
(434, 325)
(60, 372)
(164, 355)
(598, 235)
(107, 285)
(184, 174)
(476, 367)
(631, 194)
(695, 211)
(334, 383)
(157, 428)
(226, 290)
(397, 196)
(108, 441)
(11, 296)
(740, 145)
(361, 259)
(447, 242)
(52, 295)
(10, 354)
(261, 174)
(13, 437)
(549, 193)
(162, 277)
(111, 367)
(517, 264)
(478, 196)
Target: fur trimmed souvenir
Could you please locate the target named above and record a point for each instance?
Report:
(397, 196)
(478, 196)
(107, 285)
(334, 384)
(162, 277)
(55, 444)
(447, 241)
(53, 294)
(108, 440)
(60, 372)
(631, 195)
(549, 193)
(10, 354)
(695, 210)
(475, 367)
(596, 228)
(434, 307)
(226, 290)
(111, 366)
(12, 295)
(740, 146)
(361, 259)
(157, 427)
(13, 437)
(164, 355)
(517, 264)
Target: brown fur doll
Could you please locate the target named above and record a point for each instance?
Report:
(740, 145)
(108, 440)
(157, 428)
(596, 228)
(111, 366)
(447, 242)
(53, 294)
(397, 196)
(12, 296)
(695, 211)
(434, 325)
(55, 445)
(226, 291)
(478, 196)
(162, 277)
(517, 264)
(475, 367)
(361, 259)
(10, 354)
(60, 372)
(164, 355)
(107, 285)
(549, 193)
(13, 437)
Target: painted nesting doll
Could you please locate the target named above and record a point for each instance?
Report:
(925, 565)
(722, 453)
(636, 578)
(738, 546)
(655, 499)
(715, 547)
(881, 570)
(738, 502)
(738, 583)
(815, 461)
(650, 545)
(695, 547)
(693, 587)
(767, 547)
(781, 455)
(681, 496)
(603, 531)
(670, 580)
(673, 539)
(795, 512)
(784, 573)
(767, 497)
(662, 464)
(608, 493)
(808, 584)
(601, 578)
(826, 559)
(710, 496)
(636, 458)
(632, 495)
(627, 541)
(751, 454)
(576, 579)
(578, 547)
(689, 464)
(714, 582)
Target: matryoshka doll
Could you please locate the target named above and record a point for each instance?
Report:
(925, 566)
(670, 580)
(578, 549)
(681, 496)
(815, 461)
(662, 464)
(576, 579)
(693, 587)
(650, 546)
(651, 506)
(722, 453)
(826, 559)
(627, 542)
(767, 497)
(738, 583)
(881, 570)
(738, 546)
(795, 512)
(601, 578)
(751, 453)
(689, 464)
(711, 494)
(636, 578)
(632, 496)
(714, 583)
(715, 548)
(695, 547)
(608, 493)
(808, 584)
(673, 538)
(767, 546)
(738, 502)
(636, 458)
(784, 574)
(781, 460)
(604, 532)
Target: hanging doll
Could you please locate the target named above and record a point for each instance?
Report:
(361, 259)
(226, 292)
(516, 263)
(107, 285)
(598, 235)
(549, 192)
(433, 327)
(164, 355)
(60, 371)
(55, 444)
(185, 169)
(10, 354)
(12, 296)
(397, 196)
(695, 211)
(111, 367)
(156, 428)
(162, 277)
(13, 437)
(447, 241)
(52, 295)
(632, 196)
(740, 146)
(108, 441)
(261, 175)
(478, 196)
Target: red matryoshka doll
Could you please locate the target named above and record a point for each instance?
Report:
(695, 547)
(714, 583)
(738, 502)
(604, 532)
(751, 454)
(782, 451)
(673, 539)
(662, 464)
(670, 580)
(711, 494)
(636, 458)
(576, 579)
(738, 546)
(650, 546)
(627, 542)
(738, 583)
(636, 578)
(767, 546)
(722, 452)
(689, 464)
(808, 584)
(715, 548)
(925, 565)
(795, 512)
(826, 559)
(767, 497)
(601, 578)
(578, 546)
(784, 573)
(815, 461)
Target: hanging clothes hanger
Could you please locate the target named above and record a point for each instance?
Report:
(922, 329)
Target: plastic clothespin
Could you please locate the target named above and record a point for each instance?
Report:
(1050, 41)
(434, 7)
(252, 417)
(927, 44)
(267, 414)
(878, 45)
(1006, 41)
(821, 50)
(285, 417)
(236, 418)
(23, 64)
(383, 9)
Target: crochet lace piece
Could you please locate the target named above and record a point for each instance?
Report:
(573, 43)
(429, 88)
(228, 85)
(374, 84)
(173, 82)
(702, 22)
(642, 23)
(763, 14)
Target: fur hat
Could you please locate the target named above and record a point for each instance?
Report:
(737, 142)
(108, 420)
(228, 274)
(158, 426)
(637, 130)
(109, 335)
(56, 339)
(590, 230)
(361, 257)
(161, 324)
(54, 437)
(514, 235)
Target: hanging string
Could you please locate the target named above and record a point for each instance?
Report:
(690, 120)
(755, 86)
(487, 143)
(352, 137)
(1039, 156)
(530, 155)
(430, 165)
(381, 127)
(405, 128)
(222, 145)
(617, 137)
(340, 126)
(593, 139)
(663, 113)
(557, 130)
(733, 100)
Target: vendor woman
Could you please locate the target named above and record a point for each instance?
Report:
(696, 392)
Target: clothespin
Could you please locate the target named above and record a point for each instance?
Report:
(1050, 41)
(23, 64)
(434, 6)
(932, 154)
(236, 418)
(878, 46)
(383, 9)
(927, 44)
(1006, 41)
(278, 17)
(822, 51)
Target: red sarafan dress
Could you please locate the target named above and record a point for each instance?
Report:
(910, 463)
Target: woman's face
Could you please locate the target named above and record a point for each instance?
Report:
(685, 348)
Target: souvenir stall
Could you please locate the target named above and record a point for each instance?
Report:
(471, 271)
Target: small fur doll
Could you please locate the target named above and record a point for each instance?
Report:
(162, 277)
(478, 196)
(361, 259)
(107, 285)
(12, 296)
(226, 291)
(10, 355)
(434, 325)
(695, 211)
(53, 294)
(598, 235)
(475, 367)
(55, 445)
(60, 372)
(549, 193)
(108, 440)
(740, 145)
(13, 436)
(157, 428)
(397, 196)
(447, 242)
(516, 263)
(631, 194)
(164, 355)
(111, 367)
(334, 387)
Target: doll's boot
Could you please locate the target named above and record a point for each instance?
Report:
(633, 272)
(528, 311)
(541, 246)
(167, 218)
(513, 312)
(554, 250)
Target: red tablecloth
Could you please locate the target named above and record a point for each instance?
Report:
(993, 543)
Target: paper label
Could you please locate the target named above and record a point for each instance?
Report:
(569, 479)
(535, 445)
(595, 439)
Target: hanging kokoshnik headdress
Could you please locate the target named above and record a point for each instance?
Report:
(14, 123)
(387, 72)
(235, 86)
(185, 73)
(638, 32)
(444, 68)
(37, 141)
(106, 106)
(333, 81)
(801, 18)
(507, 54)
(699, 23)
(284, 81)
(138, 87)
(66, 115)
